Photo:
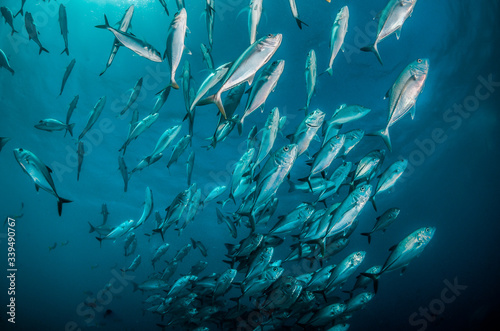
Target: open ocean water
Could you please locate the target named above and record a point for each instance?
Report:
(451, 182)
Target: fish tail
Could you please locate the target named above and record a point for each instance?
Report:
(60, 202)
(19, 12)
(11, 70)
(69, 129)
(136, 287)
(374, 49)
(100, 241)
(216, 98)
(14, 31)
(372, 199)
(328, 70)
(42, 50)
(369, 235)
(174, 84)
(300, 22)
(66, 50)
(384, 134)
(105, 25)
(92, 228)
(373, 277)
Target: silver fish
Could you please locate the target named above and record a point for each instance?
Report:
(21, 10)
(175, 44)
(391, 20)
(128, 242)
(403, 95)
(39, 173)
(133, 266)
(119, 231)
(307, 130)
(352, 138)
(148, 208)
(264, 85)
(207, 57)
(224, 282)
(339, 31)
(94, 115)
(133, 96)
(345, 269)
(294, 220)
(210, 82)
(358, 302)
(142, 126)
(240, 169)
(105, 213)
(327, 154)
(383, 222)
(311, 76)
(295, 13)
(260, 262)
(404, 252)
(133, 43)
(274, 172)
(336, 180)
(160, 251)
(166, 139)
(164, 5)
(124, 24)
(69, 68)
(221, 218)
(254, 15)
(363, 281)
(180, 284)
(4, 62)
(161, 98)
(81, 153)
(246, 66)
(9, 19)
(32, 31)
(210, 17)
(72, 107)
(192, 210)
(368, 166)
(345, 114)
(190, 166)
(51, 124)
(63, 24)
(123, 170)
(327, 314)
(179, 148)
(215, 193)
(150, 285)
(388, 178)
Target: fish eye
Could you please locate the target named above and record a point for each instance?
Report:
(20, 149)
(427, 230)
(362, 189)
(275, 269)
(285, 148)
(419, 60)
(269, 35)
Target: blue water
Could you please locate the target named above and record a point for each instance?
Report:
(451, 184)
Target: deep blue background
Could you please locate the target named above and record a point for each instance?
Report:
(454, 187)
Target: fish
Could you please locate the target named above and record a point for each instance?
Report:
(346, 114)
(179, 148)
(123, 170)
(274, 172)
(294, 220)
(260, 262)
(352, 138)
(214, 193)
(175, 44)
(133, 43)
(326, 155)
(391, 20)
(210, 82)
(344, 270)
(306, 130)
(383, 222)
(180, 4)
(192, 210)
(254, 15)
(403, 96)
(264, 85)
(180, 284)
(404, 252)
(32, 31)
(252, 138)
(133, 96)
(134, 265)
(198, 268)
(101, 230)
(65, 243)
(21, 10)
(190, 166)
(175, 210)
(210, 18)
(295, 13)
(224, 282)
(388, 178)
(335, 181)
(166, 139)
(150, 285)
(63, 24)
(349, 210)
(128, 241)
(164, 5)
(182, 253)
(119, 231)
(52, 247)
(72, 107)
(327, 314)
(311, 76)
(207, 57)
(94, 115)
(68, 71)
(339, 30)
(221, 218)
(50, 124)
(39, 173)
(148, 208)
(7, 15)
(240, 169)
(358, 302)
(368, 166)
(124, 25)
(160, 251)
(161, 98)
(246, 66)
(363, 281)
(140, 128)
(81, 153)
(4, 62)
(200, 246)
